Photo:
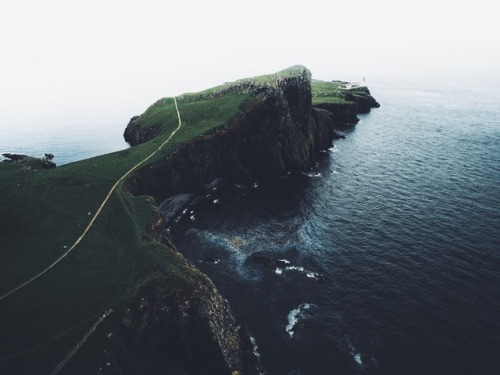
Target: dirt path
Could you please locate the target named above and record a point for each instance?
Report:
(99, 210)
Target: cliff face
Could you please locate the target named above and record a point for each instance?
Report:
(181, 328)
(134, 135)
(280, 133)
(175, 323)
(362, 97)
(356, 101)
(342, 113)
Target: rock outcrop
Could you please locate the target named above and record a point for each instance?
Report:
(183, 328)
(343, 114)
(362, 97)
(188, 326)
(31, 162)
(282, 132)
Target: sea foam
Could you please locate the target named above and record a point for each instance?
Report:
(295, 316)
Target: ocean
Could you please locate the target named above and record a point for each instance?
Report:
(69, 137)
(382, 259)
(385, 257)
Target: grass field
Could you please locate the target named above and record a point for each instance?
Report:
(329, 92)
(45, 210)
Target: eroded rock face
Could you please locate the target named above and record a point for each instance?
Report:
(135, 135)
(186, 327)
(280, 133)
(173, 325)
(343, 114)
(364, 101)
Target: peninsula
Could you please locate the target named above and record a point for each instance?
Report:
(90, 280)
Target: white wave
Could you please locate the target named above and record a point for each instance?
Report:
(356, 355)
(312, 174)
(209, 260)
(309, 274)
(294, 268)
(216, 201)
(357, 358)
(232, 247)
(255, 185)
(255, 347)
(295, 316)
(286, 261)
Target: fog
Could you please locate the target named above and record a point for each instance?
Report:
(105, 61)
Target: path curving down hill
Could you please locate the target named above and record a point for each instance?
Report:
(98, 211)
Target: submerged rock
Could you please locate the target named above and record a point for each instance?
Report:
(33, 163)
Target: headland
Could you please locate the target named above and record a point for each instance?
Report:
(126, 301)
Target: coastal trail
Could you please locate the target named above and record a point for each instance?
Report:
(99, 210)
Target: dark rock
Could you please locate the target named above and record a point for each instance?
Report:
(362, 97)
(280, 133)
(15, 157)
(134, 134)
(171, 326)
(263, 261)
(33, 163)
(188, 324)
(344, 114)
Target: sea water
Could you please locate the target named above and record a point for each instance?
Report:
(69, 137)
(383, 259)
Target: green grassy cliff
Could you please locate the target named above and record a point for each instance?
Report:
(158, 308)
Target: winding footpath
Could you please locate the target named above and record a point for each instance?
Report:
(71, 354)
(98, 212)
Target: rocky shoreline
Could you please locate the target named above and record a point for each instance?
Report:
(191, 324)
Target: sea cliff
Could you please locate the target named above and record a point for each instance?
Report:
(282, 131)
(124, 300)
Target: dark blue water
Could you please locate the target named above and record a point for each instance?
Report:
(385, 259)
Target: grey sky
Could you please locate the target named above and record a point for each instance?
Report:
(75, 56)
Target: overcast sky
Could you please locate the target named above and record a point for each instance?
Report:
(120, 56)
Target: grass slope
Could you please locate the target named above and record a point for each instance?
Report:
(43, 212)
(333, 92)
